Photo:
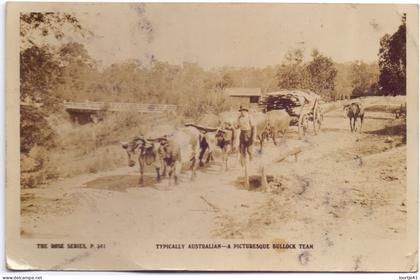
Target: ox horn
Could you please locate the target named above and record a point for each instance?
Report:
(202, 128)
(154, 140)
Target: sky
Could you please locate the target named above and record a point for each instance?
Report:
(258, 35)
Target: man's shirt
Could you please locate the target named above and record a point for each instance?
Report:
(245, 122)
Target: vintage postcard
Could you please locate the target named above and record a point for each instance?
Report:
(212, 137)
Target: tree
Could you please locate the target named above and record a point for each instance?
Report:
(321, 75)
(40, 73)
(40, 61)
(225, 82)
(291, 74)
(364, 79)
(392, 62)
(36, 28)
(122, 80)
(343, 88)
(79, 76)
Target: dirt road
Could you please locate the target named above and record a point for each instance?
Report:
(344, 185)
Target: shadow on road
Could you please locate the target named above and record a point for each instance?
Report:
(121, 183)
(399, 129)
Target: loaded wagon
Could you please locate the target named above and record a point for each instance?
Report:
(302, 106)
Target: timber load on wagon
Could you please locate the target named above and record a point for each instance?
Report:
(302, 106)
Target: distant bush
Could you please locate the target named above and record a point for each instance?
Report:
(214, 103)
(371, 90)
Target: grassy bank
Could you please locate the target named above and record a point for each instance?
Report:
(81, 149)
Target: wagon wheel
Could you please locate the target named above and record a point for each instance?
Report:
(302, 125)
(317, 120)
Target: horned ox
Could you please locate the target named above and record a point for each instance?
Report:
(228, 120)
(165, 152)
(270, 125)
(277, 122)
(225, 136)
(210, 138)
(217, 132)
(260, 123)
(149, 154)
(206, 144)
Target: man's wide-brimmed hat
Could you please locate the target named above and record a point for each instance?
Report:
(243, 109)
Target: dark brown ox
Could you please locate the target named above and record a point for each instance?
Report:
(354, 111)
(228, 121)
(206, 144)
(277, 123)
(211, 137)
(225, 140)
(227, 135)
(216, 132)
(170, 152)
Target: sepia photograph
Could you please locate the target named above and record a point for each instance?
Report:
(212, 137)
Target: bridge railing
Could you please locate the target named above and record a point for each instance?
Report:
(119, 107)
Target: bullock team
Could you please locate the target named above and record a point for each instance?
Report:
(195, 144)
(167, 149)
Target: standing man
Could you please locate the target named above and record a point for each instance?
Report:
(246, 139)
